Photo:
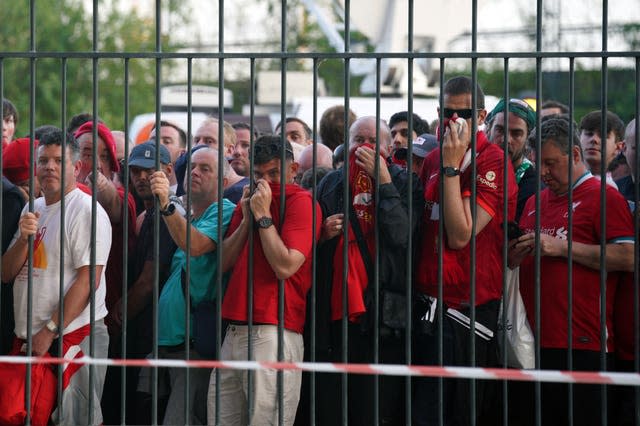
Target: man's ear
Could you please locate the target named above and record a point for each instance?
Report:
(293, 171)
(168, 169)
(576, 154)
(225, 182)
(482, 114)
(76, 168)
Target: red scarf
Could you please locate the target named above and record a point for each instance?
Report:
(289, 189)
(361, 186)
(70, 349)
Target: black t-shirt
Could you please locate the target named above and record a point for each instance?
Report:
(12, 203)
(526, 188)
(144, 247)
(140, 330)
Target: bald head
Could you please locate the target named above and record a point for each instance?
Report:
(364, 130)
(630, 144)
(118, 136)
(324, 157)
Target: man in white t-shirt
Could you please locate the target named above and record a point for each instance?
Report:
(43, 224)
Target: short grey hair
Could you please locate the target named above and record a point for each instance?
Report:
(384, 139)
(226, 168)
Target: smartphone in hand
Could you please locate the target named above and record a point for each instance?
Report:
(513, 231)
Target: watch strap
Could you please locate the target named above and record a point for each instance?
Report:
(52, 327)
(450, 171)
(265, 222)
(169, 210)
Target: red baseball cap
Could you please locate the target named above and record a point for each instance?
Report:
(15, 159)
(105, 134)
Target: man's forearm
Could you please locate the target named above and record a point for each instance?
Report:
(177, 226)
(456, 223)
(232, 245)
(283, 260)
(111, 203)
(77, 297)
(619, 257)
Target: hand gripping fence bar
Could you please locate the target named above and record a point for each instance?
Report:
(557, 376)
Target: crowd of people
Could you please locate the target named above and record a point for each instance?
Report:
(303, 264)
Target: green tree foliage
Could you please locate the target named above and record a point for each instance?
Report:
(557, 85)
(65, 26)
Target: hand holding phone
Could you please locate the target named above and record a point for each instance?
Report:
(513, 231)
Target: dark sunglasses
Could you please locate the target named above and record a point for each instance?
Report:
(271, 149)
(466, 113)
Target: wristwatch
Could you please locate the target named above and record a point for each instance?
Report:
(169, 210)
(264, 222)
(450, 171)
(52, 327)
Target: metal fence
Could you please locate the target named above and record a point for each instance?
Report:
(341, 373)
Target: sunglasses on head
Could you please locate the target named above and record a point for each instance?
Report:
(465, 113)
(271, 149)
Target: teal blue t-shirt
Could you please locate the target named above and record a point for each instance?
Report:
(171, 306)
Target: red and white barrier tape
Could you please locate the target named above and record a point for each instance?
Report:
(593, 377)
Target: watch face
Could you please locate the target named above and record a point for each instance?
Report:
(171, 208)
(265, 222)
(451, 171)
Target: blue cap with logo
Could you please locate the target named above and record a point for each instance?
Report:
(144, 155)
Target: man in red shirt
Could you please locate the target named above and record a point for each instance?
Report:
(281, 251)
(457, 180)
(559, 149)
(111, 197)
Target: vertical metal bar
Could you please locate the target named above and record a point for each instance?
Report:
(474, 207)
(63, 183)
(506, 134)
(187, 275)
(537, 255)
(410, 218)
(125, 247)
(250, 274)
(345, 231)
(570, 246)
(32, 107)
(157, 218)
(221, 158)
(314, 250)
(603, 209)
(376, 264)
(283, 97)
(94, 204)
(636, 259)
(440, 245)
(346, 206)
